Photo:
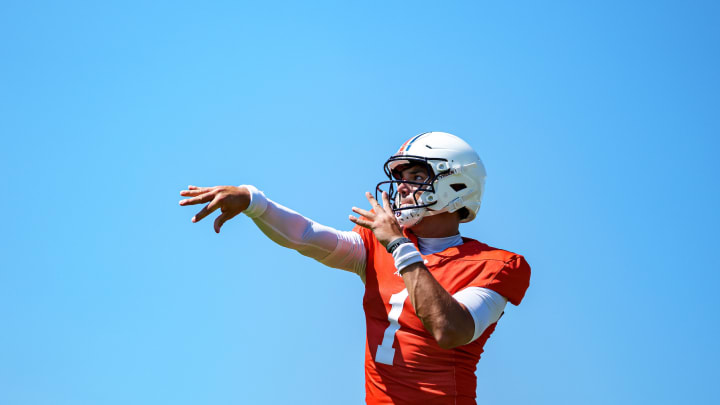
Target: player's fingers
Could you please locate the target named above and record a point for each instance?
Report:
(372, 200)
(207, 210)
(193, 192)
(386, 203)
(366, 214)
(198, 200)
(361, 222)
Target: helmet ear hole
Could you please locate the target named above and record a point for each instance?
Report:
(458, 186)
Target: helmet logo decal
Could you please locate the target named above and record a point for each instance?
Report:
(406, 146)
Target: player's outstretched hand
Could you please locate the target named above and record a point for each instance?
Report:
(381, 220)
(230, 199)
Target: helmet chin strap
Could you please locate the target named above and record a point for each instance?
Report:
(410, 217)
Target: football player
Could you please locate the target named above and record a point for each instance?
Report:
(432, 297)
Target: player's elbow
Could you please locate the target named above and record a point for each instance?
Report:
(448, 338)
(451, 328)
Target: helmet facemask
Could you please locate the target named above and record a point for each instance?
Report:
(423, 193)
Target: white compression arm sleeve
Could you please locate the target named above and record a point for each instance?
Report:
(485, 306)
(343, 250)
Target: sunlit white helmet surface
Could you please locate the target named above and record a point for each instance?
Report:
(456, 178)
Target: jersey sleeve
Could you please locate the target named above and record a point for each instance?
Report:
(367, 238)
(369, 244)
(511, 279)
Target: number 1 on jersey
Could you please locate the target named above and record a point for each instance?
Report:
(385, 352)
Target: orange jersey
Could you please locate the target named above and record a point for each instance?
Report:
(403, 362)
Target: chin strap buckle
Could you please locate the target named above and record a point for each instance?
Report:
(455, 204)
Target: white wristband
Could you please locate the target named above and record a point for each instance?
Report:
(258, 202)
(405, 255)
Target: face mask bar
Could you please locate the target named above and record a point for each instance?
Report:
(392, 193)
(428, 185)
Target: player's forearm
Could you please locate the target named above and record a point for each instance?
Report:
(342, 250)
(450, 324)
(291, 233)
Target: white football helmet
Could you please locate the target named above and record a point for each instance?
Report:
(456, 178)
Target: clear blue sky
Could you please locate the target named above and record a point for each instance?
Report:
(598, 123)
